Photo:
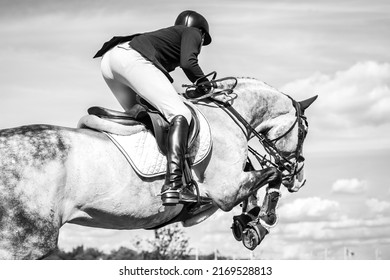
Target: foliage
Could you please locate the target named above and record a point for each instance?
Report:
(123, 253)
(78, 253)
(170, 243)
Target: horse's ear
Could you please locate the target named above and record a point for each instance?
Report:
(306, 103)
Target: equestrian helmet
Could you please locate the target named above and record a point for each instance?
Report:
(193, 19)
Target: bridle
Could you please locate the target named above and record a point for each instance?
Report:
(289, 164)
(284, 163)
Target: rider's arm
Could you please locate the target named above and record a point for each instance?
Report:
(190, 48)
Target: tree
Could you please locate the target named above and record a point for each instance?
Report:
(123, 253)
(78, 253)
(169, 243)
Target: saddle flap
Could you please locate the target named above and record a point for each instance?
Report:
(161, 127)
(194, 125)
(160, 130)
(159, 120)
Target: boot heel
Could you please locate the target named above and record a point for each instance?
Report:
(170, 198)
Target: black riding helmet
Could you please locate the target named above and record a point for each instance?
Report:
(193, 19)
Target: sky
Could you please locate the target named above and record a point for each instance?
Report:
(336, 49)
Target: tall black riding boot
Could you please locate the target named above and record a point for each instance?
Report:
(176, 151)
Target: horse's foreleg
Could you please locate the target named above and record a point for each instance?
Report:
(250, 182)
(253, 231)
(267, 214)
(268, 217)
(248, 227)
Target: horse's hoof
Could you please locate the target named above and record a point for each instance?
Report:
(253, 235)
(237, 230)
(250, 239)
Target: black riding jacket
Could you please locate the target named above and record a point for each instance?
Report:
(166, 48)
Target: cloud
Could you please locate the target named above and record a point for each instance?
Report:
(294, 252)
(349, 186)
(378, 206)
(309, 239)
(335, 232)
(356, 97)
(309, 209)
(352, 110)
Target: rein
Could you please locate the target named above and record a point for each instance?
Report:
(211, 84)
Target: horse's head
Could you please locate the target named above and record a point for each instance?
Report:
(277, 120)
(287, 136)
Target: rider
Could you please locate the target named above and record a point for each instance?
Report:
(140, 64)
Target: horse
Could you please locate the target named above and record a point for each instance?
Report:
(52, 175)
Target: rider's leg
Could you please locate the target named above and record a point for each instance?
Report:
(125, 95)
(131, 69)
(128, 67)
(176, 150)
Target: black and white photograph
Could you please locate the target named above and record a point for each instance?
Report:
(182, 131)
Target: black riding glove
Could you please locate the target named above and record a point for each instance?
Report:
(202, 89)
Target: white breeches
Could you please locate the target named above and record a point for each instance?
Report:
(127, 73)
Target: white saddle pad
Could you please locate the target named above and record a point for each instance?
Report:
(141, 149)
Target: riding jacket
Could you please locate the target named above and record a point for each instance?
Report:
(166, 48)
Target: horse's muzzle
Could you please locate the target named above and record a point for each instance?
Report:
(296, 186)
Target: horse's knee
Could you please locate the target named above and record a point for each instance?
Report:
(225, 206)
(275, 176)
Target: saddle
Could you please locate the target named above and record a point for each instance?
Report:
(145, 115)
(153, 120)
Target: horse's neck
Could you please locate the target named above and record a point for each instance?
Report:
(260, 103)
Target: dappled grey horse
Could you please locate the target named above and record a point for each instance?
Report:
(52, 175)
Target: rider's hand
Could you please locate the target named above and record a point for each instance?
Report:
(202, 89)
(198, 92)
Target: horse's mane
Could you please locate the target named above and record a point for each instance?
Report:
(257, 82)
(258, 93)
(245, 82)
